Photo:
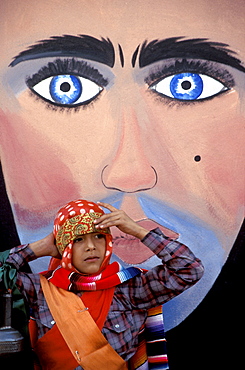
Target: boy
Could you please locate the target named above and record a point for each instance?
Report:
(84, 296)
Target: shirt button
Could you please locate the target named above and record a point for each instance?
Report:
(52, 322)
(117, 326)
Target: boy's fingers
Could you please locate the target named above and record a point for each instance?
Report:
(108, 220)
(107, 206)
(105, 219)
(100, 220)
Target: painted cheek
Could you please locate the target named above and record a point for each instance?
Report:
(203, 158)
(225, 168)
(34, 174)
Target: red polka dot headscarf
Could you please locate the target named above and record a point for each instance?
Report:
(74, 219)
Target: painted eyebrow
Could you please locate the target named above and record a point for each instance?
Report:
(176, 47)
(83, 46)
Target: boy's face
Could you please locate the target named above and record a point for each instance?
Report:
(88, 253)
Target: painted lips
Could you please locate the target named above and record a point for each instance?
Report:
(130, 249)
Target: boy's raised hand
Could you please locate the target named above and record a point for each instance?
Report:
(45, 247)
(121, 220)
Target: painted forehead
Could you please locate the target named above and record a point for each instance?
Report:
(103, 51)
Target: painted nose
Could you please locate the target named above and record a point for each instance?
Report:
(130, 170)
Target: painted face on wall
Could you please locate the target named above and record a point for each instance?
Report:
(134, 103)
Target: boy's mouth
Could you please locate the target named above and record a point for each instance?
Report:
(130, 249)
(91, 259)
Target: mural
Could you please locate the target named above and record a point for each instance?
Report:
(136, 103)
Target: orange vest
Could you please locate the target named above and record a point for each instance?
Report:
(53, 352)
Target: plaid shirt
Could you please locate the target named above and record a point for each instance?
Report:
(179, 270)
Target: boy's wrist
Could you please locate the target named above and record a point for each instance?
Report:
(45, 247)
(140, 232)
(39, 248)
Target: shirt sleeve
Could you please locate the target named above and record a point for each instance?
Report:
(180, 269)
(27, 283)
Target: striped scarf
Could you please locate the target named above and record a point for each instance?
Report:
(73, 281)
(152, 352)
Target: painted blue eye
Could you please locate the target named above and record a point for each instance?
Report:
(188, 86)
(67, 90)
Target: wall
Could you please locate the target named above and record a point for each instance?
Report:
(152, 121)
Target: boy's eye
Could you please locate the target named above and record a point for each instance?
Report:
(188, 86)
(78, 240)
(100, 236)
(67, 90)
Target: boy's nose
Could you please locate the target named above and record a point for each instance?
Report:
(90, 245)
(129, 171)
